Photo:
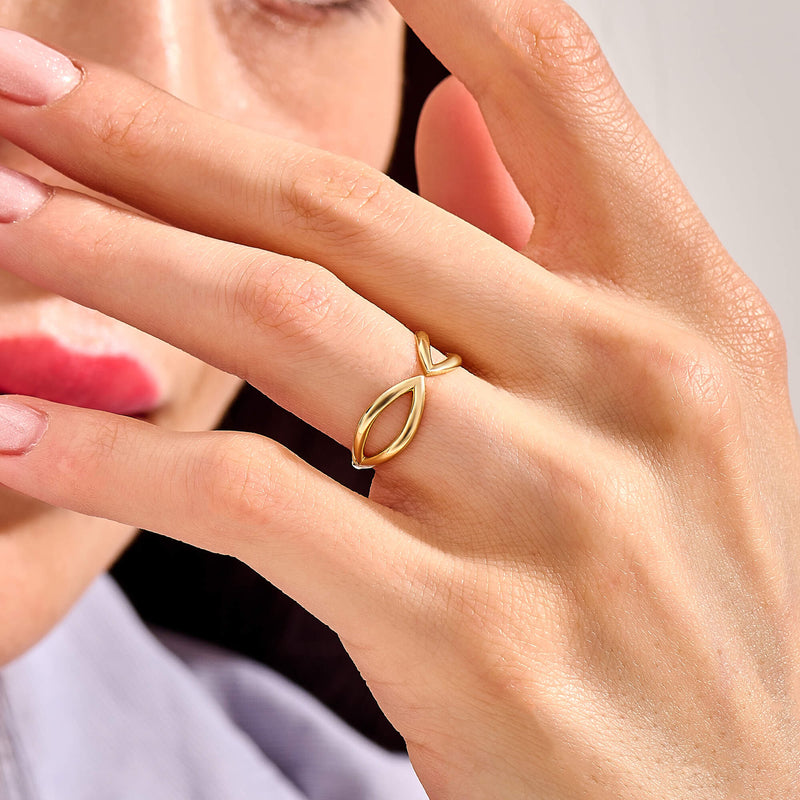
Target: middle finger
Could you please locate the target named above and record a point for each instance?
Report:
(287, 326)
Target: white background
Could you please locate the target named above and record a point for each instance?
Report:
(719, 85)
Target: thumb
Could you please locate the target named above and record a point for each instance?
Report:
(459, 170)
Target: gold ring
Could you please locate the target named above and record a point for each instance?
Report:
(416, 386)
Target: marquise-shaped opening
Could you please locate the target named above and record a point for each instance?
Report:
(416, 386)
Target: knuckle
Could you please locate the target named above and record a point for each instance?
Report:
(594, 495)
(335, 196)
(611, 496)
(239, 479)
(557, 45)
(665, 385)
(751, 330)
(132, 125)
(294, 301)
(694, 397)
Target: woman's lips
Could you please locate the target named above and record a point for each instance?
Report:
(39, 366)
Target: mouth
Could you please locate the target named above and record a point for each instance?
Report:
(42, 367)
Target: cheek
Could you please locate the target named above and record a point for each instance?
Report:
(200, 396)
(334, 86)
(362, 123)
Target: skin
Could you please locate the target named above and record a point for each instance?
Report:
(580, 580)
(280, 74)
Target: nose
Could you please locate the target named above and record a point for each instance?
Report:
(160, 41)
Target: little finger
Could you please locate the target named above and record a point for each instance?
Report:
(235, 493)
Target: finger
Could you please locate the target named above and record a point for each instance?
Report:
(288, 327)
(128, 139)
(607, 204)
(297, 333)
(183, 288)
(234, 493)
(459, 169)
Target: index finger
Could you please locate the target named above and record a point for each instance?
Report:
(125, 138)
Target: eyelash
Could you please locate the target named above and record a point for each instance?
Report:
(357, 6)
(322, 8)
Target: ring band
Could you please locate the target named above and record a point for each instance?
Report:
(416, 386)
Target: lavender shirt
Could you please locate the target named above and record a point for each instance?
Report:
(106, 709)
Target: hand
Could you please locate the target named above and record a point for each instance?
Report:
(580, 580)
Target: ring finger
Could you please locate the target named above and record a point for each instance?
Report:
(289, 327)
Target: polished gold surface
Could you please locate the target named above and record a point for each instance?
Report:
(416, 386)
(426, 360)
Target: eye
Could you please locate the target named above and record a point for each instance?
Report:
(317, 9)
(344, 5)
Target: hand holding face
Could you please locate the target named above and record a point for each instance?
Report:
(580, 579)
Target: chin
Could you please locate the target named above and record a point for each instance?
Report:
(48, 558)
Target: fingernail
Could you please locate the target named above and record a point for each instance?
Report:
(21, 427)
(20, 195)
(32, 73)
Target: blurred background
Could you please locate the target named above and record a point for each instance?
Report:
(717, 83)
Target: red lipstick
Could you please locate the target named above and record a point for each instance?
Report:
(39, 366)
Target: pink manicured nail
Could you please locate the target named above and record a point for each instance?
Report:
(31, 73)
(21, 427)
(20, 196)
